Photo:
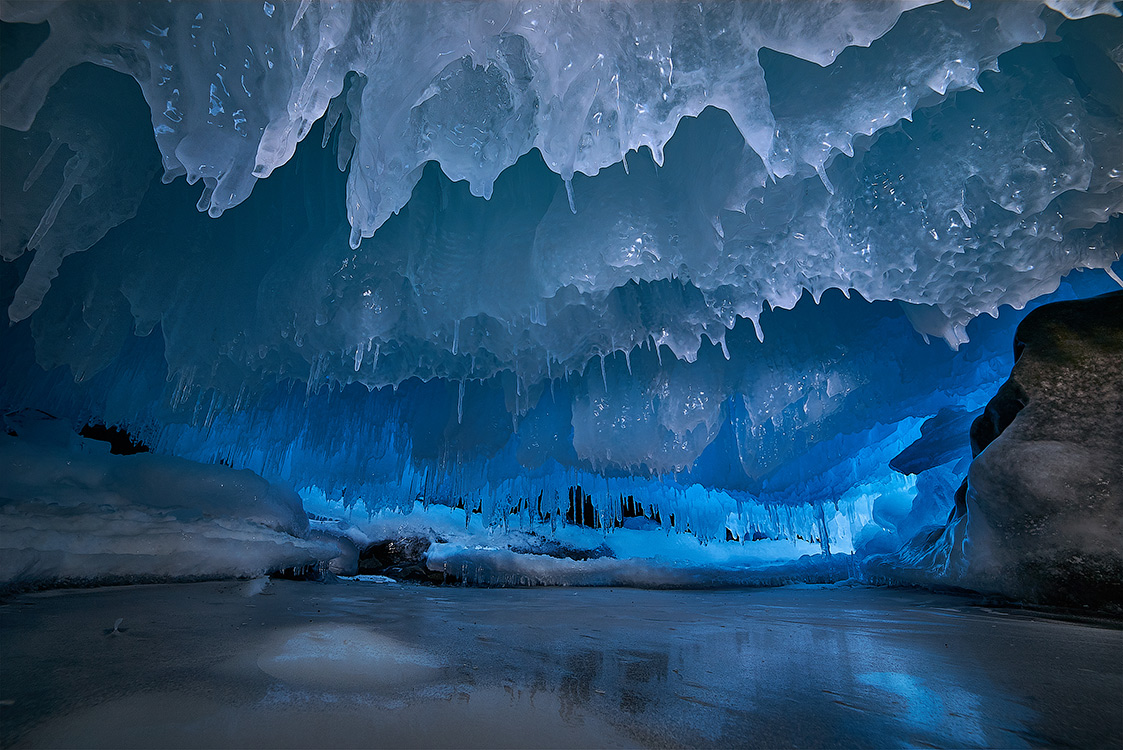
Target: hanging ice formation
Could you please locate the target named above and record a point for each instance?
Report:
(682, 259)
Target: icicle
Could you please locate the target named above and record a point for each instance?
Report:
(313, 374)
(455, 335)
(204, 205)
(40, 165)
(330, 119)
(758, 329)
(628, 359)
(1114, 278)
(624, 161)
(460, 405)
(358, 356)
(724, 349)
(569, 194)
(73, 171)
(300, 13)
(822, 170)
(824, 541)
(603, 375)
(210, 411)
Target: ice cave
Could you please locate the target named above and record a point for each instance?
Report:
(561, 373)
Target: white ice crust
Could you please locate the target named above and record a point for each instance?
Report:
(233, 87)
(70, 512)
(872, 147)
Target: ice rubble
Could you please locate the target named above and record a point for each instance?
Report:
(466, 550)
(558, 232)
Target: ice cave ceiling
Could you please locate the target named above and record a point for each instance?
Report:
(480, 252)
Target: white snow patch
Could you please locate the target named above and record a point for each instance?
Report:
(71, 512)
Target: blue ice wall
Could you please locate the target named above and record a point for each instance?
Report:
(685, 256)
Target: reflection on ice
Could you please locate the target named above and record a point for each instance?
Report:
(342, 657)
(948, 709)
(377, 665)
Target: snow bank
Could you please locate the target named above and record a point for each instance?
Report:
(72, 513)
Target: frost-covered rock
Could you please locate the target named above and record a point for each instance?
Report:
(1045, 495)
(1040, 515)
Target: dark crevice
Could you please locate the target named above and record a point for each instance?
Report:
(121, 443)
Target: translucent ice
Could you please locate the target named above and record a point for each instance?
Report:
(474, 87)
(670, 265)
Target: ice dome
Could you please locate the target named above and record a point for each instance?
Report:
(715, 267)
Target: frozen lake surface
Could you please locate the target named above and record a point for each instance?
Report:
(367, 664)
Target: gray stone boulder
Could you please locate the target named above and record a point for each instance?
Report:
(1044, 494)
(1039, 517)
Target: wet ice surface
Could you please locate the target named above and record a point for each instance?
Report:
(383, 665)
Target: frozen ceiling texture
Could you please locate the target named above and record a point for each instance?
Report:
(725, 259)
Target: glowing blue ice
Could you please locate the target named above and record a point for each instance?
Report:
(598, 264)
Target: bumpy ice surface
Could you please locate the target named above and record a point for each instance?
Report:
(688, 254)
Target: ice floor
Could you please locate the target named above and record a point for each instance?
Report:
(361, 664)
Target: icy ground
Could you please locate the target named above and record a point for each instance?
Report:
(287, 664)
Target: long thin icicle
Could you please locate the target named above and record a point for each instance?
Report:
(72, 173)
(40, 165)
(300, 13)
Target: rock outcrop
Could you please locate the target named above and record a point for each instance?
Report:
(1040, 515)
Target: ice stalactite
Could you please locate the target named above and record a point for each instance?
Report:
(541, 261)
